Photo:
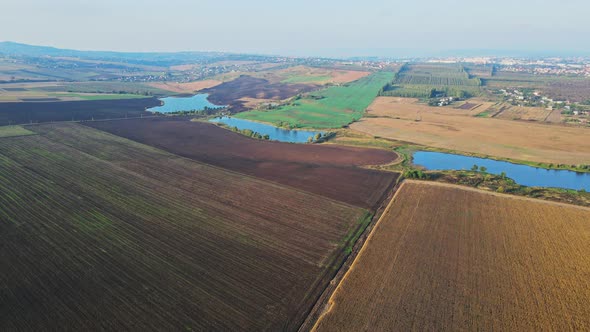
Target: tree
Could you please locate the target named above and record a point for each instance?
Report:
(503, 175)
(415, 174)
(474, 168)
(317, 136)
(483, 169)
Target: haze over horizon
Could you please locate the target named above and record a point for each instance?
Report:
(305, 28)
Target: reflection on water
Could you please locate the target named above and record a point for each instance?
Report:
(275, 133)
(522, 174)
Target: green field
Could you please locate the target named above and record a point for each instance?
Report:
(11, 131)
(109, 87)
(306, 79)
(332, 107)
(108, 96)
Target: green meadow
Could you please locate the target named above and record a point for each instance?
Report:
(332, 107)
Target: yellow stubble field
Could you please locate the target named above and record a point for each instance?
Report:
(449, 258)
(449, 128)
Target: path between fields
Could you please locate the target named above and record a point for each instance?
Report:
(330, 304)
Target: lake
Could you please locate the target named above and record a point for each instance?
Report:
(521, 174)
(275, 133)
(177, 104)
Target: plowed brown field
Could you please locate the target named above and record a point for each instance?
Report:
(230, 93)
(101, 233)
(445, 258)
(327, 170)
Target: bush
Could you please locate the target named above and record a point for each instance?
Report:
(415, 174)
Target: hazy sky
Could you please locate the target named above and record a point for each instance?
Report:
(301, 27)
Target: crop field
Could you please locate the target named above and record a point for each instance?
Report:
(419, 80)
(189, 87)
(479, 70)
(446, 258)
(305, 74)
(230, 93)
(437, 75)
(332, 107)
(99, 232)
(523, 113)
(50, 111)
(116, 87)
(574, 89)
(391, 118)
(330, 170)
(11, 131)
(18, 93)
(412, 108)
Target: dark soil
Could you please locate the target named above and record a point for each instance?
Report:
(228, 93)
(327, 170)
(46, 111)
(467, 106)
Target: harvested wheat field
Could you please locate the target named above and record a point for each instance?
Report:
(524, 113)
(188, 87)
(315, 75)
(446, 129)
(408, 108)
(447, 258)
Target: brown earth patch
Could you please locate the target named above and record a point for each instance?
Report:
(328, 170)
(102, 233)
(230, 93)
(50, 111)
(345, 76)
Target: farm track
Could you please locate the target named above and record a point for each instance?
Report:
(329, 170)
(324, 300)
(132, 237)
(432, 263)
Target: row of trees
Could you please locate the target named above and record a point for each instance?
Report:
(250, 133)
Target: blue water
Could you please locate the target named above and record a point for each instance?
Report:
(177, 104)
(275, 133)
(522, 174)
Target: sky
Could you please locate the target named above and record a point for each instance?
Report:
(304, 27)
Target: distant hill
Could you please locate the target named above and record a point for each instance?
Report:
(148, 58)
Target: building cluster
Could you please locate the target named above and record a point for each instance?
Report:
(559, 70)
(531, 98)
(446, 101)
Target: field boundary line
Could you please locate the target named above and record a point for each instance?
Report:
(493, 193)
(17, 136)
(170, 154)
(327, 308)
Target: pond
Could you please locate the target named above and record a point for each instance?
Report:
(521, 174)
(177, 104)
(275, 133)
